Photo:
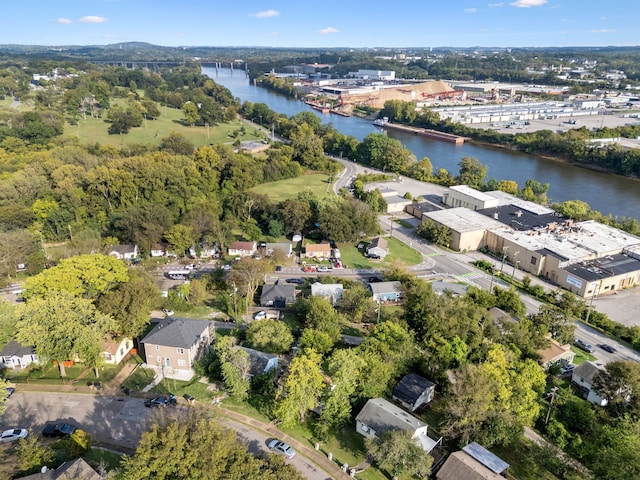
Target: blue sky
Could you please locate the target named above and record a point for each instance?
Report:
(327, 23)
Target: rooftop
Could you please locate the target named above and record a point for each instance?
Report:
(462, 219)
(472, 192)
(411, 387)
(385, 287)
(177, 332)
(382, 415)
(604, 267)
(485, 457)
(519, 218)
(505, 198)
(586, 370)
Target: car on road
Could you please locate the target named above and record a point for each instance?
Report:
(608, 348)
(279, 446)
(226, 268)
(587, 347)
(323, 269)
(374, 279)
(261, 315)
(13, 435)
(10, 391)
(158, 402)
(298, 281)
(52, 430)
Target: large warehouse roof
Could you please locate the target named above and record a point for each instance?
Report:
(463, 220)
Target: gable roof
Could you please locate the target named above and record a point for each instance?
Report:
(410, 388)
(258, 360)
(15, 349)
(382, 416)
(277, 291)
(460, 465)
(177, 332)
(552, 352)
(318, 288)
(378, 242)
(586, 370)
(123, 249)
(242, 246)
(485, 457)
(385, 287)
(318, 247)
(77, 469)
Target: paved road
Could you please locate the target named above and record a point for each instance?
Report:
(118, 422)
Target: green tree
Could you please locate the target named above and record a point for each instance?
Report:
(33, 455)
(180, 238)
(61, 326)
(320, 342)
(190, 111)
(269, 336)
(246, 276)
(89, 276)
(619, 383)
(472, 172)
(434, 232)
(302, 389)
(397, 453)
(318, 313)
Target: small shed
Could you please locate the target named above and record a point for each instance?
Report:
(260, 362)
(413, 391)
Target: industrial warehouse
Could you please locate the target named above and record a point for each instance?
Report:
(587, 258)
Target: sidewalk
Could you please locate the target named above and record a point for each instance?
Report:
(315, 456)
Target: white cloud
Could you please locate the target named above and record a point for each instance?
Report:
(470, 10)
(265, 14)
(494, 5)
(93, 19)
(603, 30)
(64, 21)
(528, 3)
(328, 30)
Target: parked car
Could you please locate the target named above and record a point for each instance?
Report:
(587, 347)
(608, 348)
(13, 435)
(323, 269)
(226, 268)
(10, 391)
(374, 279)
(373, 256)
(298, 281)
(158, 402)
(58, 430)
(567, 370)
(168, 312)
(191, 266)
(261, 315)
(281, 447)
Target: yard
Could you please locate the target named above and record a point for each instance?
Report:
(289, 188)
(353, 257)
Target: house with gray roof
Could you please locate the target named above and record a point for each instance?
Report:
(583, 376)
(260, 362)
(277, 295)
(77, 469)
(413, 391)
(473, 462)
(123, 252)
(285, 247)
(176, 343)
(330, 291)
(15, 355)
(386, 291)
(379, 416)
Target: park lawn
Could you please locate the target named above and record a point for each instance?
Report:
(92, 130)
(289, 188)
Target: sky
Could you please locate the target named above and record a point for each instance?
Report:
(323, 24)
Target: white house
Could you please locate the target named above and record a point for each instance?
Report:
(379, 416)
(583, 376)
(123, 252)
(16, 356)
(114, 351)
(330, 291)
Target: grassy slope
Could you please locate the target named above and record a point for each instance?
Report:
(284, 189)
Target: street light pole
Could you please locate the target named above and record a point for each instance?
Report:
(515, 264)
(504, 256)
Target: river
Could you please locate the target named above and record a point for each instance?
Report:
(606, 193)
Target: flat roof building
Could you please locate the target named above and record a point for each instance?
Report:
(465, 196)
(468, 227)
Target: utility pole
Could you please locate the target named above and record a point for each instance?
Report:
(553, 397)
(504, 256)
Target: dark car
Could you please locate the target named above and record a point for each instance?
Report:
(157, 402)
(374, 279)
(587, 347)
(10, 391)
(607, 348)
(373, 256)
(58, 430)
(299, 281)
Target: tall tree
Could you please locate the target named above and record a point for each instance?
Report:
(62, 326)
(397, 453)
(269, 336)
(302, 389)
(472, 172)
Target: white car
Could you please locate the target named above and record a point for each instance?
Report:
(261, 315)
(13, 435)
(281, 447)
(226, 268)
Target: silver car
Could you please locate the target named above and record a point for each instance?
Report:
(281, 447)
(13, 435)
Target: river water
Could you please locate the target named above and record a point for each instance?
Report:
(606, 193)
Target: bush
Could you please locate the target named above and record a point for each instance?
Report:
(76, 444)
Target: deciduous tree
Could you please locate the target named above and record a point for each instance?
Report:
(397, 453)
(269, 336)
(302, 390)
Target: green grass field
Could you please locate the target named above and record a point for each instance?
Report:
(91, 130)
(398, 251)
(284, 189)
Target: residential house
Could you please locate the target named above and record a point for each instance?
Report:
(157, 250)
(114, 351)
(318, 250)
(456, 289)
(277, 295)
(378, 246)
(242, 249)
(330, 291)
(473, 462)
(77, 469)
(260, 362)
(123, 252)
(379, 416)
(583, 376)
(386, 291)
(285, 247)
(413, 391)
(16, 356)
(556, 354)
(176, 343)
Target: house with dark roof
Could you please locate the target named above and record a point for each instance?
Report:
(123, 252)
(277, 295)
(583, 376)
(260, 362)
(242, 249)
(379, 416)
(16, 356)
(77, 469)
(413, 391)
(473, 462)
(176, 343)
(386, 291)
(378, 246)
